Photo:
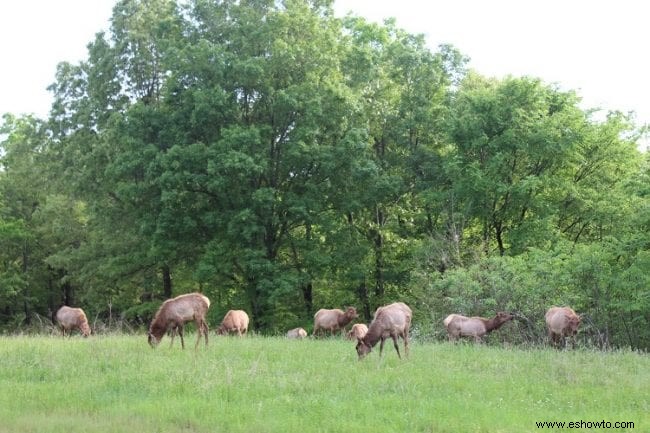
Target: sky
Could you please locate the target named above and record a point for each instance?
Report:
(597, 48)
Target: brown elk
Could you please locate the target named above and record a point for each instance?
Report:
(393, 321)
(476, 327)
(174, 313)
(234, 321)
(297, 333)
(358, 330)
(72, 318)
(562, 322)
(333, 320)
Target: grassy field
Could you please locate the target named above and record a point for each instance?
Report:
(261, 384)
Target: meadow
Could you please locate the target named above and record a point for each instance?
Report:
(117, 383)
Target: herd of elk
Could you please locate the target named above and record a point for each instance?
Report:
(393, 320)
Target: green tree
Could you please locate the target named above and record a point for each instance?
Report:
(402, 88)
(29, 285)
(605, 158)
(512, 139)
(110, 126)
(266, 126)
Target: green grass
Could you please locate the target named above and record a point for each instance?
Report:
(257, 384)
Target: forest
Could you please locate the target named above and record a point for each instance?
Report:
(280, 159)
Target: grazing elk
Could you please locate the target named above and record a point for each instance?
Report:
(333, 320)
(476, 327)
(174, 313)
(70, 318)
(234, 321)
(358, 330)
(393, 321)
(297, 333)
(562, 322)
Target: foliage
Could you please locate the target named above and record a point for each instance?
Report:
(280, 160)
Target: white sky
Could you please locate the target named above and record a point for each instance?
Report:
(598, 48)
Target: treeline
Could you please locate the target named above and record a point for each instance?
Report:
(280, 159)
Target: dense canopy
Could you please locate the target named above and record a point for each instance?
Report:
(280, 159)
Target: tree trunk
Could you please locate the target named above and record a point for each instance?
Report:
(308, 297)
(362, 292)
(256, 302)
(68, 296)
(167, 281)
(379, 266)
(28, 318)
(498, 230)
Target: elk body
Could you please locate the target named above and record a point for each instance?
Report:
(392, 321)
(358, 330)
(70, 318)
(333, 320)
(561, 322)
(234, 321)
(475, 327)
(174, 313)
(297, 333)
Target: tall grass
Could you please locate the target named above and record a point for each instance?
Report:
(257, 384)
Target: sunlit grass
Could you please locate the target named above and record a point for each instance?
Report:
(256, 384)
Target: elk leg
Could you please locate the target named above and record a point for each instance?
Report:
(199, 331)
(394, 337)
(554, 340)
(206, 331)
(553, 337)
(406, 343)
(172, 333)
(180, 333)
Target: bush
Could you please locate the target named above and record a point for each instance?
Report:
(612, 299)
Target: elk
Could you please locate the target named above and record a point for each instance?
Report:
(297, 333)
(393, 321)
(234, 321)
(562, 322)
(476, 327)
(174, 313)
(358, 330)
(333, 320)
(72, 318)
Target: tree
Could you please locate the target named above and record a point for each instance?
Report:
(512, 139)
(604, 159)
(110, 127)
(402, 89)
(31, 286)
